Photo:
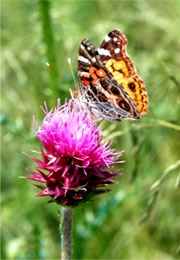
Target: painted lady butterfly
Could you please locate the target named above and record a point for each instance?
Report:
(108, 83)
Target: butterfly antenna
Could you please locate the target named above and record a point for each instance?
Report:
(50, 67)
(72, 72)
(71, 93)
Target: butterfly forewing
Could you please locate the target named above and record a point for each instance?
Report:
(113, 53)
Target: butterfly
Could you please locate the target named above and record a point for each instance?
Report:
(108, 83)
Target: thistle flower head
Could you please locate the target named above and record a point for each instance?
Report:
(74, 162)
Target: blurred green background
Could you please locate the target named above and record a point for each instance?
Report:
(139, 218)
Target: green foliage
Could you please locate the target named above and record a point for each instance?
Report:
(139, 218)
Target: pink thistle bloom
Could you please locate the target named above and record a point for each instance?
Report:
(75, 163)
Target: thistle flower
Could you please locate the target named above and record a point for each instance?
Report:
(75, 163)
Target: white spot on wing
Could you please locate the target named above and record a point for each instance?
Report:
(107, 38)
(82, 47)
(117, 50)
(81, 58)
(104, 52)
(94, 59)
(115, 39)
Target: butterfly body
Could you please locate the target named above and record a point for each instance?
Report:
(108, 83)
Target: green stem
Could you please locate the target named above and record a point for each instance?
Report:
(49, 42)
(66, 234)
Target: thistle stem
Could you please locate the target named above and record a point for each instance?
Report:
(66, 235)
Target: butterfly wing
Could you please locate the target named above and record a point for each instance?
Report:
(113, 53)
(98, 89)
